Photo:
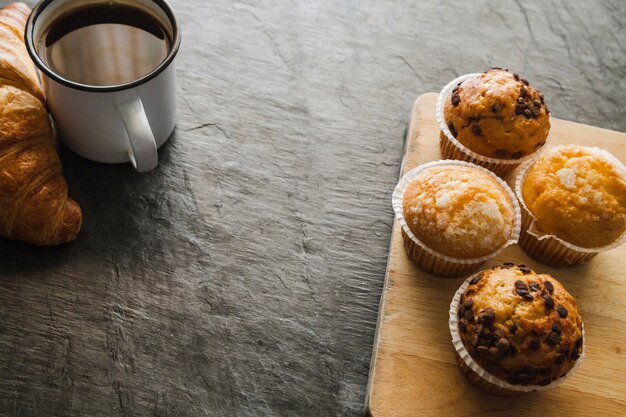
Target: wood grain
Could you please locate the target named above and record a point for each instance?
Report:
(413, 370)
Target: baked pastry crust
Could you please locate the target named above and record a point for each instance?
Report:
(498, 114)
(34, 206)
(577, 194)
(520, 326)
(458, 211)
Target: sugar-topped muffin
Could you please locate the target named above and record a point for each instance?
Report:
(459, 211)
(577, 194)
(520, 326)
(497, 114)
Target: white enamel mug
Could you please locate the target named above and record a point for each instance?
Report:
(111, 123)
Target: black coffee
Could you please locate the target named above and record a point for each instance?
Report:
(104, 44)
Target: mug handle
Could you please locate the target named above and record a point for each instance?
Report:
(143, 150)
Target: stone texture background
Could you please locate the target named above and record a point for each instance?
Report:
(242, 277)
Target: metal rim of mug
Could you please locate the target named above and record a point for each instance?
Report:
(32, 51)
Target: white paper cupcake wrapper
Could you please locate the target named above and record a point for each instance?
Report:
(443, 126)
(481, 372)
(532, 228)
(398, 194)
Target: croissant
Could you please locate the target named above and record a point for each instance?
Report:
(34, 206)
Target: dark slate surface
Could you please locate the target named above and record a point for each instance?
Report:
(242, 277)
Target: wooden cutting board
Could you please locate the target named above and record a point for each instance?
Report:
(413, 370)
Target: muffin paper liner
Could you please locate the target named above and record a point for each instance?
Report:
(451, 148)
(547, 248)
(478, 375)
(430, 260)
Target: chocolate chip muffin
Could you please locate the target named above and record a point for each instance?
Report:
(459, 211)
(497, 114)
(577, 194)
(521, 327)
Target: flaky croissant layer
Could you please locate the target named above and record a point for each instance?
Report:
(34, 206)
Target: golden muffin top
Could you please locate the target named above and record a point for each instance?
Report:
(459, 211)
(498, 114)
(520, 326)
(578, 194)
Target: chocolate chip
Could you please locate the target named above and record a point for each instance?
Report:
(528, 113)
(504, 345)
(456, 99)
(452, 129)
(553, 338)
(482, 350)
(521, 285)
(519, 109)
(469, 315)
(562, 311)
(535, 344)
(524, 294)
(508, 264)
(496, 68)
(545, 381)
(516, 76)
(517, 154)
(534, 286)
(513, 328)
(525, 269)
(496, 107)
(513, 350)
(549, 286)
(535, 112)
(578, 343)
(549, 301)
(537, 103)
(468, 303)
(557, 329)
(483, 341)
(476, 279)
(560, 358)
(525, 81)
(541, 98)
(476, 130)
(486, 317)
(455, 89)
(523, 92)
(501, 153)
(462, 327)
